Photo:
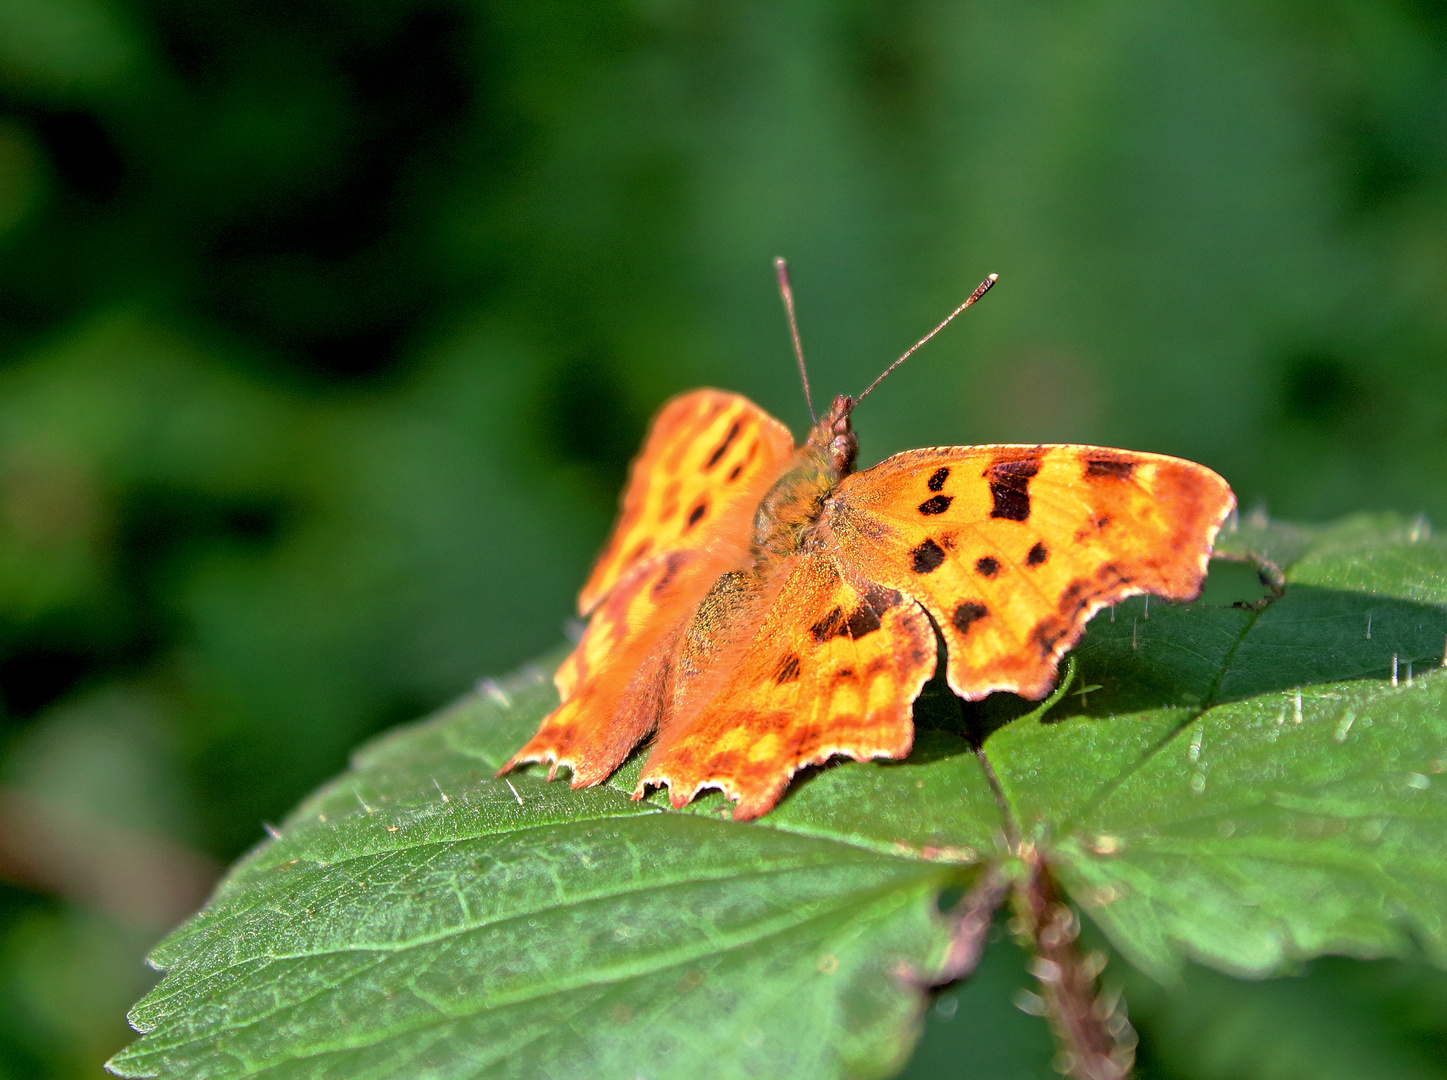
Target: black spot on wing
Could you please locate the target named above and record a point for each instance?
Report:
(830, 626)
(967, 614)
(1010, 487)
(937, 480)
(880, 598)
(1038, 554)
(862, 621)
(936, 504)
(722, 447)
(987, 566)
(788, 670)
(1048, 631)
(1076, 598)
(695, 515)
(749, 456)
(926, 558)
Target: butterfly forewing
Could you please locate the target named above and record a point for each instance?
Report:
(1012, 548)
(707, 461)
(612, 684)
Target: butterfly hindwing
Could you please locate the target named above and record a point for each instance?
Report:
(612, 684)
(1011, 549)
(832, 667)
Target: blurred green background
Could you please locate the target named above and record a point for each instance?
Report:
(327, 329)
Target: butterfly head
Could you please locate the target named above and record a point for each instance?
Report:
(834, 435)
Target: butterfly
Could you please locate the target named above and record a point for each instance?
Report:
(761, 607)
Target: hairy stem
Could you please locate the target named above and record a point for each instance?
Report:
(972, 917)
(1095, 1038)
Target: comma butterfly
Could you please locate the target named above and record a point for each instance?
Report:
(761, 607)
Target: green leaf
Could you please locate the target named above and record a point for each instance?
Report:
(418, 917)
(1246, 786)
(1253, 787)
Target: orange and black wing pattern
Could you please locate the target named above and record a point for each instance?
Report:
(707, 461)
(832, 668)
(686, 517)
(1012, 549)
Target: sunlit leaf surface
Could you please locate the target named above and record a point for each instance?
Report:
(1243, 786)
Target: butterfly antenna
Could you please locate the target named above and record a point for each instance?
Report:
(781, 271)
(980, 291)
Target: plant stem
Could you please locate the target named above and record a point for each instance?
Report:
(1095, 1037)
(972, 917)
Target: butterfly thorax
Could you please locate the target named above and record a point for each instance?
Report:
(796, 500)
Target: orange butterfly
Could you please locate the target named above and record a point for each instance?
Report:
(762, 607)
